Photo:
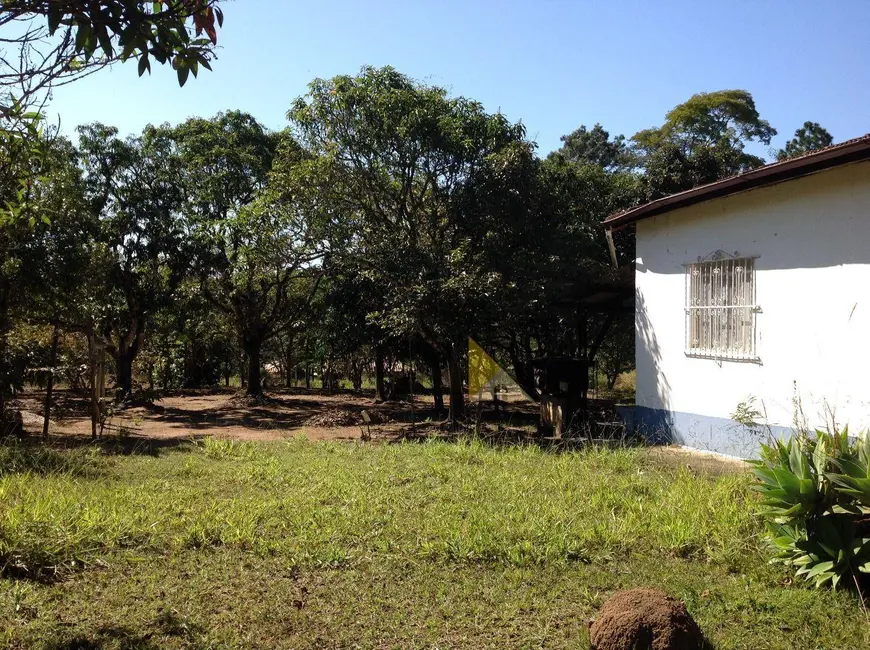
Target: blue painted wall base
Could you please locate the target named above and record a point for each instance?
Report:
(703, 432)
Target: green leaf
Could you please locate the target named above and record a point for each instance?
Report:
(144, 64)
(852, 468)
(105, 42)
(54, 16)
(808, 487)
(783, 542)
(823, 578)
(160, 54)
(828, 536)
(82, 35)
(798, 463)
(788, 481)
(820, 457)
(183, 72)
(766, 475)
(819, 568)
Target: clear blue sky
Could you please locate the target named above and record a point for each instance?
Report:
(554, 64)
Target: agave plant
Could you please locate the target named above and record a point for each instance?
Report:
(792, 486)
(854, 479)
(816, 499)
(824, 551)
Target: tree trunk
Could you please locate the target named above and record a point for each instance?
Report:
(7, 426)
(49, 386)
(167, 367)
(326, 378)
(380, 393)
(151, 375)
(125, 354)
(254, 380)
(288, 363)
(124, 363)
(356, 369)
(92, 368)
(457, 393)
(243, 364)
(524, 372)
(611, 381)
(437, 388)
(101, 371)
(4, 365)
(599, 337)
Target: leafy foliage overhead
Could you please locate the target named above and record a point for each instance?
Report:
(61, 40)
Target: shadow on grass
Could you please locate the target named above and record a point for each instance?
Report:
(127, 445)
(107, 637)
(25, 457)
(79, 456)
(167, 623)
(502, 424)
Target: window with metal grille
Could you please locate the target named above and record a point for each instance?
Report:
(720, 308)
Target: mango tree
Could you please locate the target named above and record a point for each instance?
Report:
(406, 170)
(258, 250)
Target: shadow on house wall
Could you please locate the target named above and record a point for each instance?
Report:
(652, 413)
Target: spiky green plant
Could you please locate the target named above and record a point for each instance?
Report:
(816, 495)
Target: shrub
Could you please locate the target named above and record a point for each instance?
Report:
(816, 494)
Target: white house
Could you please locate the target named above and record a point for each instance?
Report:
(755, 290)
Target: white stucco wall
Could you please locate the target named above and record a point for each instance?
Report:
(812, 239)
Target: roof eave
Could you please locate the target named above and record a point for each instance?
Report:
(763, 176)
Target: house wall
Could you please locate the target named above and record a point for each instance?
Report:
(811, 237)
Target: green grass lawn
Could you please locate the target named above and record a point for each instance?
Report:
(435, 545)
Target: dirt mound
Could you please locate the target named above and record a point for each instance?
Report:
(334, 418)
(645, 619)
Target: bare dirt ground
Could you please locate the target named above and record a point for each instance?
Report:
(185, 415)
(223, 414)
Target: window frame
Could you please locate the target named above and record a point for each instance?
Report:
(739, 308)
